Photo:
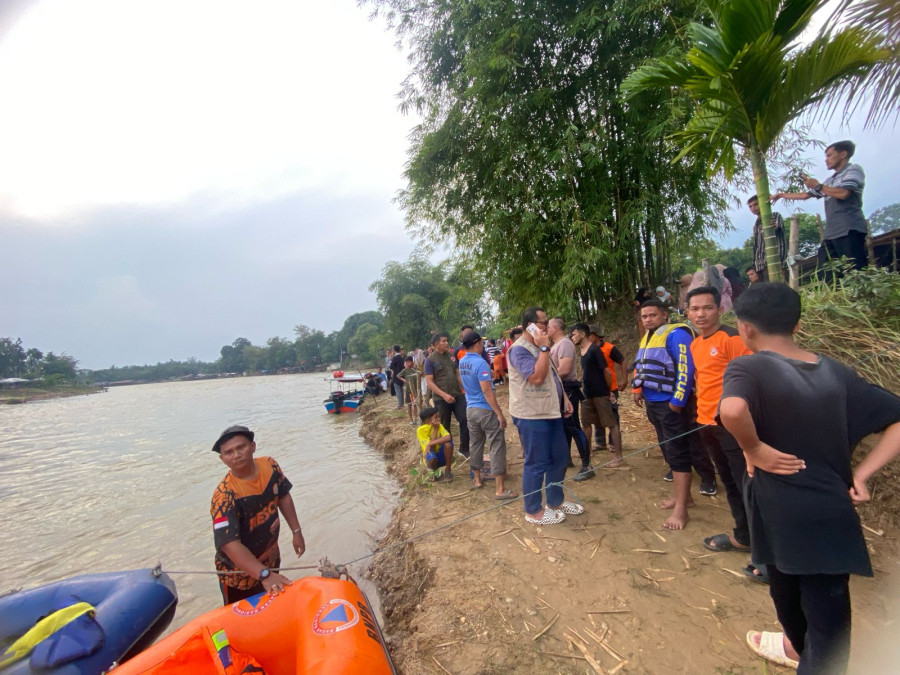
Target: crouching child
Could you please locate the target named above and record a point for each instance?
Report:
(436, 444)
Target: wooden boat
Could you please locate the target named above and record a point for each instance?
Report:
(316, 625)
(347, 392)
(85, 624)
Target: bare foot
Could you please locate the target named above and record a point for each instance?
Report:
(616, 461)
(667, 504)
(789, 650)
(677, 520)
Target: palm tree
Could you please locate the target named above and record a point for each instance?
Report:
(749, 77)
(882, 17)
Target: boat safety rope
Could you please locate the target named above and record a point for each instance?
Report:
(507, 502)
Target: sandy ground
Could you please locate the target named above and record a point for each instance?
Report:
(608, 591)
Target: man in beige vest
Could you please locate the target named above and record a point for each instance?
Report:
(537, 405)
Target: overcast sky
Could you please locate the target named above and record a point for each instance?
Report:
(175, 175)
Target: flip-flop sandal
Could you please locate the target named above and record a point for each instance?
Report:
(750, 571)
(509, 494)
(550, 517)
(771, 648)
(570, 508)
(721, 543)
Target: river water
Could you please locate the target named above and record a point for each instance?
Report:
(123, 480)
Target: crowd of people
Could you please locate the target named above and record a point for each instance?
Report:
(774, 423)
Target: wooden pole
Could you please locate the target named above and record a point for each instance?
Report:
(793, 245)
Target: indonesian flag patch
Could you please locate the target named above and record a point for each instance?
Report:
(220, 522)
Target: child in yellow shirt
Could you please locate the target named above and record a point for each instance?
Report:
(434, 439)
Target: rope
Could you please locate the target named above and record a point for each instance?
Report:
(510, 501)
(226, 573)
(555, 483)
(505, 503)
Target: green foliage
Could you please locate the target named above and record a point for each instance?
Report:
(885, 219)
(367, 342)
(12, 357)
(419, 299)
(749, 77)
(528, 162)
(856, 319)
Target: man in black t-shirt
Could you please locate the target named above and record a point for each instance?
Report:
(597, 405)
(797, 416)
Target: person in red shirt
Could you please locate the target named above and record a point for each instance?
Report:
(714, 348)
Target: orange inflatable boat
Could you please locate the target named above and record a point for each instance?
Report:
(316, 625)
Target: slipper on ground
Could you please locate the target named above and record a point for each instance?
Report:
(509, 494)
(722, 543)
(770, 647)
(750, 571)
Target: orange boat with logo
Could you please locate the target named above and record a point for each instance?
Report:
(316, 625)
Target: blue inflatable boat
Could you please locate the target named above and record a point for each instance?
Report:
(84, 624)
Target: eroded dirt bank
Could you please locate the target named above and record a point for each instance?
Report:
(608, 591)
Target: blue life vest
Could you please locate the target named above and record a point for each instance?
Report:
(654, 367)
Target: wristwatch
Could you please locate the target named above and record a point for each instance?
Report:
(545, 348)
(818, 188)
(264, 574)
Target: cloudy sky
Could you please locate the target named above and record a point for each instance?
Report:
(174, 175)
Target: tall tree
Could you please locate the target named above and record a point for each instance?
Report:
(528, 161)
(419, 299)
(749, 77)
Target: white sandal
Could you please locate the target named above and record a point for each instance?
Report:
(550, 517)
(771, 648)
(570, 508)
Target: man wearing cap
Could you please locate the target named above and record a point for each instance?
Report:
(244, 510)
(484, 416)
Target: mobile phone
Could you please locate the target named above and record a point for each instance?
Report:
(533, 329)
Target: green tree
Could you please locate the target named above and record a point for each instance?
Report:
(885, 219)
(12, 357)
(528, 162)
(883, 18)
(62, 367)
(750, 77)
(233, 359)
(33, 358)
(366, 342)
(418, 299)
(354, 321)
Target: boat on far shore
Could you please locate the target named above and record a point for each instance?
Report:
(346, 393)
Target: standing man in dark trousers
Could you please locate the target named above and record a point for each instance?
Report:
(663, 379)
(713, 349)
(397, 366)
(442, 378)
(562, 353)
(845, 224)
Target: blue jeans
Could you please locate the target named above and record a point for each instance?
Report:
(398, 392)
(546, 453)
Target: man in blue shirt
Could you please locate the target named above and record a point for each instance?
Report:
(663, 377)
(484, 417)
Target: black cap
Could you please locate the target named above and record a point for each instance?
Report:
(470, 338)
(230, 432)
(595, 329)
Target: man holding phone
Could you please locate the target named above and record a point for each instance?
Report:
(537, 404)
(845, 224)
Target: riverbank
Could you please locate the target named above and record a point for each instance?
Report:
(26, 394)
(608, 591)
